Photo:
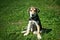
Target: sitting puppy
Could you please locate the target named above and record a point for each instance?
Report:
(34, 24)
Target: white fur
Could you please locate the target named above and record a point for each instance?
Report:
(38, 36)
(31, 14)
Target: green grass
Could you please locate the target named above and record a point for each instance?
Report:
(14, 18)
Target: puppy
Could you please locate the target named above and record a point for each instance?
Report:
(34, 24)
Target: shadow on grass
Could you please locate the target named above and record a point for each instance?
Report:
(45, 30)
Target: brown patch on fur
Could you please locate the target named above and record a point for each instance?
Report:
(33, 10)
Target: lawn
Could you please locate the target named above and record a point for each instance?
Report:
(14, 18)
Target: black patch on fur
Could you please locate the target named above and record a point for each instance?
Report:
(36, 18)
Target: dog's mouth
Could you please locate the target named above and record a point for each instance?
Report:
(32, 15)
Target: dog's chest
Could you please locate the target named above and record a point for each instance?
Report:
(33, 26)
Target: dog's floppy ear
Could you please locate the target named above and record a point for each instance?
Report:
(38, 10)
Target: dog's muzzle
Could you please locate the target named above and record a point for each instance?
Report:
(32, 15)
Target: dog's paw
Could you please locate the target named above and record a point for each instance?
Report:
(26, 34)
(35, 32)
(38, 36)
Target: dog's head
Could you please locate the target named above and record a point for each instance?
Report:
(33, 11)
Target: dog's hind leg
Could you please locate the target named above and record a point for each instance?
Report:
(23, 31)
(28, 28)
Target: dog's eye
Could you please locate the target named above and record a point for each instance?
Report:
(34, 9)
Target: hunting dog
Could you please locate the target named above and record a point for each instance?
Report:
(34, 24)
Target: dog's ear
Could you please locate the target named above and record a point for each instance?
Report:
(38, 10)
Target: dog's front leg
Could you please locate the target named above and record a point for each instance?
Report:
(28, 28)
(38, 31)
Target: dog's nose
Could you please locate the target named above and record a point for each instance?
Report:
(32, 14)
